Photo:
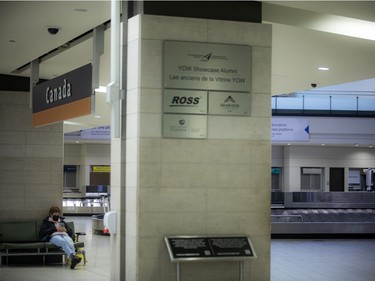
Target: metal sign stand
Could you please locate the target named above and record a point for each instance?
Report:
(241, 271)
(178, 271)
(213, 248)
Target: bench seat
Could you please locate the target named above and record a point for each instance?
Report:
(22, 239)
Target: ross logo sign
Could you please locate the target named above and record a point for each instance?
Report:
(205, 66)
(229, 103)
(64, 97)
(182, 101)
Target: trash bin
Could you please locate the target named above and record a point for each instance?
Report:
(97, 224)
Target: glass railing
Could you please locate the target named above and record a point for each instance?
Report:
(324, 104)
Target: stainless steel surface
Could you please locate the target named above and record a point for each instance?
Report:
(329, 200)
(184, 101)
(323, 228)
(207, 66)
(86, 205)
(229, 103)
(97, 224)
(322, 221)
(286, 218)
(184, 126)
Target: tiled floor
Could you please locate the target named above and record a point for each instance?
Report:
(292, 260)
(323, 260)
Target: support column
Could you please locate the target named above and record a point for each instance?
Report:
(217, 185)
(118, 134)
(291, 172)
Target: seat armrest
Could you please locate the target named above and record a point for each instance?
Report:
(78, 234)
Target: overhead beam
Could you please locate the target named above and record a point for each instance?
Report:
(318, 21)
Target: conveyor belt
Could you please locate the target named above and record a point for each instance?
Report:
(323, 215)
(327, 221)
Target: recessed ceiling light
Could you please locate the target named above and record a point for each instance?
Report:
(97, 116)
(324, 68)
(72, 123)
(323, 144)
(356, 144)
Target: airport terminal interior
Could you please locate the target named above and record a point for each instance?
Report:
(292, 260)
(297, 164)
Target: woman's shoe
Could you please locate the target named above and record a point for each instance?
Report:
(75, 260)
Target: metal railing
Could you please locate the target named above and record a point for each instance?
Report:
(306, 199)
(324, 104)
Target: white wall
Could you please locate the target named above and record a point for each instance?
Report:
(293, 157)
(84, 156)
(336, 131)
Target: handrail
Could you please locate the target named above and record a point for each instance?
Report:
(327, 104)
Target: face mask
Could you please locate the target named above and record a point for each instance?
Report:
(55, 218)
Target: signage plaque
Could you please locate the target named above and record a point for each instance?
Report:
(63, 97)
(67, 88)
(290, 129)
(184, 126)
(184, 101)
(191, 248)
(207, 66)
(103, 133)
(229, 103)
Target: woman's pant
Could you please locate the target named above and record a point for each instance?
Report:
(65, 242)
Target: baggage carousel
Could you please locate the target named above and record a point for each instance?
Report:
(318, 213)
(323, 221)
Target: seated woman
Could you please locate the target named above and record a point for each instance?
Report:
(56, 231)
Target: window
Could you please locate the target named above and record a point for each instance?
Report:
(276, 179)
(70, 176)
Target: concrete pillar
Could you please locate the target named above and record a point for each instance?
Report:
(292, 171)
(31, 169)
(217, 185)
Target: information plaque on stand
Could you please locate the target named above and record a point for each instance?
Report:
(194, 248)
(210, 248)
